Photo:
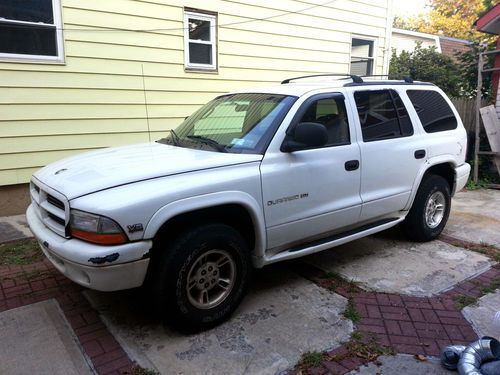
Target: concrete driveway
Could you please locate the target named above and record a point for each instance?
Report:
(286, 315)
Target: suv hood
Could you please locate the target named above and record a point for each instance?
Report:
(98, 170)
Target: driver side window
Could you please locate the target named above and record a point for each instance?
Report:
(331, 113)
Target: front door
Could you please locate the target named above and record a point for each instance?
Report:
(310, 193)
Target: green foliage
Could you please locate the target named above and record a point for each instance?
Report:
(351, 313)
(138, 370)
(468, 64)
(427, 64)
(464, 301)
(311, 359)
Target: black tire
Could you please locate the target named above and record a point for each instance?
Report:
(416, 226)
(174, 262)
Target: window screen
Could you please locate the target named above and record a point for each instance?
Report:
(382, 115)
(331, 113)
(433, 111)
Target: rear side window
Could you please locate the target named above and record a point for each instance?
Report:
(433, 111)
(382, 115)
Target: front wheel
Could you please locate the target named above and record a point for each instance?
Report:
(202, 276)
(430, 210)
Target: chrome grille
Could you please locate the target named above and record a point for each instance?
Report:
(51, 207)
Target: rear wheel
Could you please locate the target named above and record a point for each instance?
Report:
(430, 210)
(201, 277)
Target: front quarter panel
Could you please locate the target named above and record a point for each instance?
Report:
(134, 205)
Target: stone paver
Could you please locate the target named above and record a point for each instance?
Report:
(402, 364)
(29, 284)
(388, 263)
(28, 330)
(482, 315)
(475, 217)
(283, 316)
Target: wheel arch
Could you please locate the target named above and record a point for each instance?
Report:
(440, 167)
(236, 209)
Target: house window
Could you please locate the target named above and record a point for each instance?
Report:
(200, 41)
(362, 56)
(31, 30)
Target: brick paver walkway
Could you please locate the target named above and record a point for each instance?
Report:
(410, 325)
(24, 285)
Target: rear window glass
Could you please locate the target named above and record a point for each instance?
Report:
(433, 111)
(382, 115)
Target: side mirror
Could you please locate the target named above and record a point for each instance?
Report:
(305, 135)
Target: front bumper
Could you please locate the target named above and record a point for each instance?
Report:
(72, 258)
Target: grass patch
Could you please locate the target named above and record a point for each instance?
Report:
(333, 281)
(464, 301)
(492, 287)
(311, 359)
(484, 248)
(20, 253)
(351, 313)
(138, 370)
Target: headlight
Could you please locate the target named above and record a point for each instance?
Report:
(97, 229)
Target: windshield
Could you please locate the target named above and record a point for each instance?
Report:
(240, 123)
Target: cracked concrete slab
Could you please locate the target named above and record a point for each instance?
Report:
(386, 262)
(282, 317)
(47, 343)
(402, 364)
(475, 216)
(482, 315)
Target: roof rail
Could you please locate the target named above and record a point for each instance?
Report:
(407, 79)
(355, 78)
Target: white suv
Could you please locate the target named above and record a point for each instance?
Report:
(252, 178)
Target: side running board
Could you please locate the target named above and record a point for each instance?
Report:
(335, 240)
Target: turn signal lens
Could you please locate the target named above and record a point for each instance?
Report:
(96, 229)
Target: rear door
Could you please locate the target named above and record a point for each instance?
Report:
(392, 152)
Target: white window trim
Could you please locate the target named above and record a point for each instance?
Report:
(213, 40)
(373, 58)
(17, 57)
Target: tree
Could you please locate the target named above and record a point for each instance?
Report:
(453, 18)
(468, 70)
(427, 64)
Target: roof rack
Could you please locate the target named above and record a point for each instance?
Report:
(407, 79)
(355, 78)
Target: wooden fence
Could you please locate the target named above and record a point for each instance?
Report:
(467, 110)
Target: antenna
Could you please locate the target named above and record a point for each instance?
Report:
(145, 101)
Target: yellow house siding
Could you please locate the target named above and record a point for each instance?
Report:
(97, 97)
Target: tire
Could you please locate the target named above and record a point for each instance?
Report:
(430, 210)
(216, 260)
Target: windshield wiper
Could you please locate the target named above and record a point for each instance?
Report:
(209, 142)
(175, 137)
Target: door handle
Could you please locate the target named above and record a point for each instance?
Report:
(419, 154)
(351, 165)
